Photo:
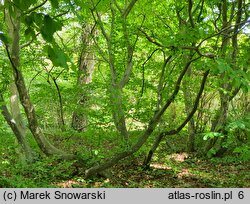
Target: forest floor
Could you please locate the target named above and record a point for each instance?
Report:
(168, 169)
(172, 171)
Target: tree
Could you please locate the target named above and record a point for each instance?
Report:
(14, 16)
(85, 72)
(155, 67)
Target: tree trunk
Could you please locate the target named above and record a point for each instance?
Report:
(19, 133)
(85, 71)
(188, 108)
(118, 112)
(15, 109)
(178, 129)
(13, 23)
(17, 117)
(219, 123)
(151, 126)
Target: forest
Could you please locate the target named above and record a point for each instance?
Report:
(125, 93)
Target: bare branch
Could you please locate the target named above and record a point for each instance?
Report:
(190, 115)
(201, 10)
(98, 21)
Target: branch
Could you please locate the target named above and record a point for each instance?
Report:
(196, 103)
(33, 78)
(118, 7)
(16, 72)
(28, 43)
(161, 81)
(150, 39)
(143, 70)
(99, 21)
(195, 48)
(62, 14)
(143, 138)
(176, 90)
(109, 43)
(36, 7)
(129, 8)
(177, 130)
(201, 10)
(130, 52)
(223, 30)
(190, 6)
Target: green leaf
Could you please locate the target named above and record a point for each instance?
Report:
(50, 26)
(29, 33)
(211, 152)
(4, 38)
(24, 5)
(38, 18)
(54, 3)
(238, 124)
(57, 56)
(29, 20)
(223, 66)
(210, 135)
(244, 151)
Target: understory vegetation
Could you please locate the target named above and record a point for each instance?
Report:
(170, 168)
(125, 93)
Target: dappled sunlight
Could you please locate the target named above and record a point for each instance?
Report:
(184, 172)
(180, 157)
(124, 94)
(160, 166)
(82, 183)
(67, 184)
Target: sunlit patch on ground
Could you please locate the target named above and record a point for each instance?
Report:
(181, 157)
(160, 166)
(184, 173)
(67, 184)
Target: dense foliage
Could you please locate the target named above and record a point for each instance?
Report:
(131, 91)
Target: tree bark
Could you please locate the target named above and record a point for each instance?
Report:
(219, 122)
(178, 129)
(20, 136)
(85, 72)
(118, 111)
(13, 24)
(15, 109)
(17, 117)
(188, 108)
(143, 138)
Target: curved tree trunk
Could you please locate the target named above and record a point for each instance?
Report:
(177, 130)
(143, 138)
(19, 133)
(118, 111)
(17, 117)
(13, 51)
(15, 109)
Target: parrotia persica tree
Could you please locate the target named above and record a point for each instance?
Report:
(158, 66)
